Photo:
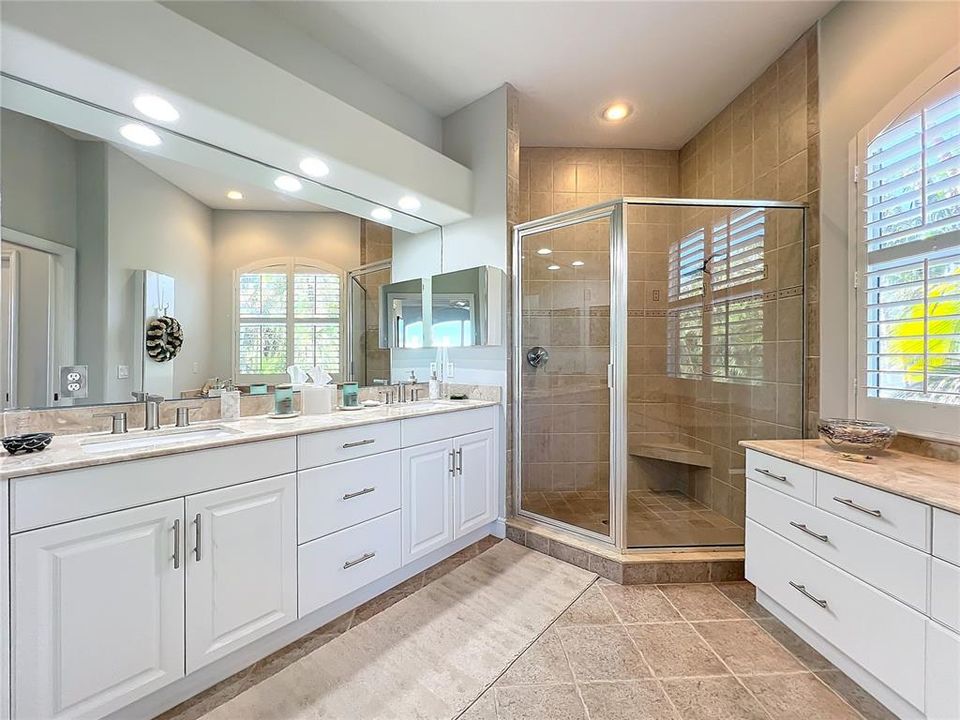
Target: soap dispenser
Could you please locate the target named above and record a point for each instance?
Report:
(434, 386)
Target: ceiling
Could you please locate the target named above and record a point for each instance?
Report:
(677, 63)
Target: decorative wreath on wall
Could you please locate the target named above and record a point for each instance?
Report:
(164, 338)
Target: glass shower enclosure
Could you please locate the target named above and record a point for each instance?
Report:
(651, 336)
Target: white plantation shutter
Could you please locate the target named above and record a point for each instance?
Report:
(909, 262)
(288, 312)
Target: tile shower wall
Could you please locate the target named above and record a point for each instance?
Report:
(376, 243)
(765, 144)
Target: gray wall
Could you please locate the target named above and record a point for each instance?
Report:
(869, 53)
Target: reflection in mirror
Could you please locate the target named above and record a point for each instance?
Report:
(402, 322)
(466, 307)
(125, 270)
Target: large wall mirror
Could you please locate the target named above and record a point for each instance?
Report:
(119, 236)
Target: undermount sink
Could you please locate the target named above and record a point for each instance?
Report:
(159, 438)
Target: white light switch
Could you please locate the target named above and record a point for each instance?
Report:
(123, 372)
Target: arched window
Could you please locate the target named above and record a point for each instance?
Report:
(288, 312)
(907, 281)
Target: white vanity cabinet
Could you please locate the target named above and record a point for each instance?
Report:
(241, 563)
(98, 611)
(427, 476)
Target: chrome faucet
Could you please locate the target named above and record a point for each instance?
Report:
(151, 409)
(119, 425)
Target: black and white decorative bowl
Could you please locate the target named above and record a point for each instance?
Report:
(29, 443)
(856, 436)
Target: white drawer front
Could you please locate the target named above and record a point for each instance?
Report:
(881, 634)
(417, 431)
(946, 535)
(324, 448)
(884, 563)
(337, 496)
(338, 564)
(72, 494)
(883, 512)
(943, 669)
(945, 594)
(787, 477)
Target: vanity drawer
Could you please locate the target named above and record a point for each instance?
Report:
(338, 564)
(945, 594)
(787, 477)
(882, 635)
(337, 496)
(891, 515)
(884, 563)
(946, 535)
(417, 431)
(324, 448)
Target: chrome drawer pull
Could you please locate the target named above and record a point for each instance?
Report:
(460, 461)
(808, 531)
(803, 591)
(358, 493)
(850, 503)
(453, 462)
(196, 549)
(358, 443)
(176, 544)
(366, 556)
(781, 478)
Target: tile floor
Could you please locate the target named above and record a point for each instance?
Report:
(672, 652)
(654, 518)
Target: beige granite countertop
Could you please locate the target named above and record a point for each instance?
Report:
(931, 481)
(66, 451)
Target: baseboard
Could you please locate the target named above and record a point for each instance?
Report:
(883, 694)
(198, 681)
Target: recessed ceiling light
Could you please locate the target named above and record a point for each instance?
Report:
(288, 183)
(544, 251)
(553, 267)
(381, 213)
(577, 263)
(140, 134)
(616, 112)
(235, 195)
(409, 203)
(314, 167)
(156, 108)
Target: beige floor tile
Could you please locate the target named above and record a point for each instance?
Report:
(675, 650)
(744, 596)
(591, 608)
(485, 708)
(721, 698)
(602, 652)
(631, 700)
(539, 702)
(798, 697)
(795, 644)
(856, 696)
(448, 564)
(390, 597)
(543, 662)
(746, 648)
(701, 602)
(640, 603)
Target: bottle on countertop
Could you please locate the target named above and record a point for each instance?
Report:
(434, 386)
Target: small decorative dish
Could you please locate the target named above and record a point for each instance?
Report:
(861, 437)
(25, 444)
(283, 416)
(371, 403)
(350, 407)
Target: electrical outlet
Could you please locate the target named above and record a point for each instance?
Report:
(73, 381)
(123, 372)
(449, 369)
(196, 368)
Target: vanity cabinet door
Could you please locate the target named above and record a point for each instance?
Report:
(475, 496)
(943, 671)
(241, 566)
(427, 478)
(97, 615)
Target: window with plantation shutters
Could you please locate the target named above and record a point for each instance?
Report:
(288, 312)
(908, 275)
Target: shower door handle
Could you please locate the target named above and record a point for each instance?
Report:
(537, 356)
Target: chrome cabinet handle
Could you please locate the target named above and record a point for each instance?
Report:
(363, 558)
(453, 462)
(808, 531)
(850, 503)
(358, 493)
(358, 443)
(196, 537)
(460, 461)
(176, 544)
(763, 471)
(803, 591)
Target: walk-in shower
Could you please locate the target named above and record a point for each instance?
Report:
(651, 336)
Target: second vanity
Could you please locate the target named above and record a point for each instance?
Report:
(140, 577)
